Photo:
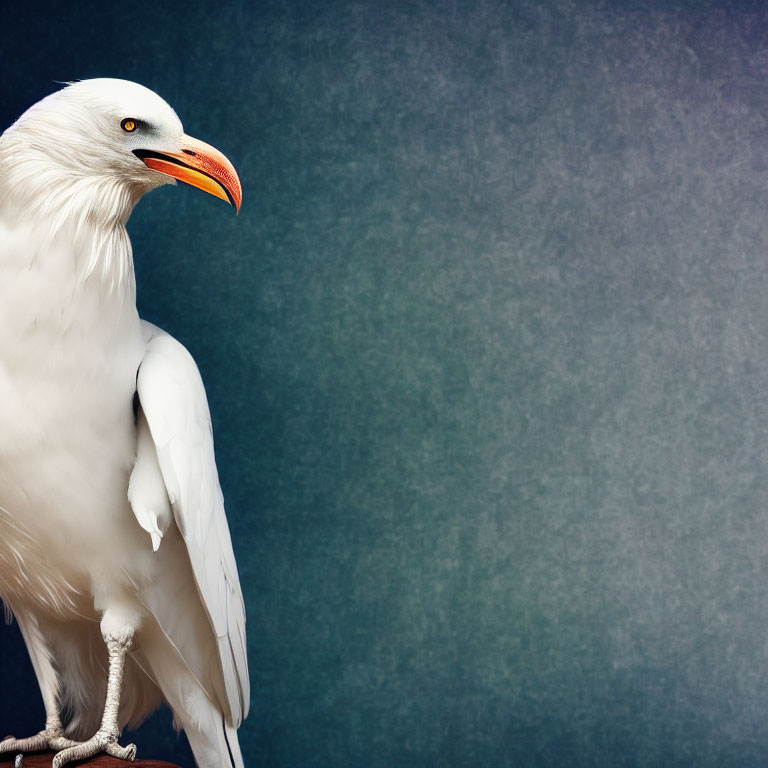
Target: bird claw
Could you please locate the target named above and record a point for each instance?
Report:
(100, 742)
(49, 738)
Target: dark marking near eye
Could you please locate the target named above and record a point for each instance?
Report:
(189, 152)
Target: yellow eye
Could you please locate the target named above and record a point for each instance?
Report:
(128, 125)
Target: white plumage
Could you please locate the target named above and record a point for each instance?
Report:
(114, 546)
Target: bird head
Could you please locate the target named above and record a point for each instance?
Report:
(115, 137)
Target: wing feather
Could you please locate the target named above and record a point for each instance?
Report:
(173, 400)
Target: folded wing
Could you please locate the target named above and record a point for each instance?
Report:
(173, 401)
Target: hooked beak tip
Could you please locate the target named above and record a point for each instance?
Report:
(200, 165)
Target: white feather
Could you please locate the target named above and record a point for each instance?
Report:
(173, 401)
(71, 343)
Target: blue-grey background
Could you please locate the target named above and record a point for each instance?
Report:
(487, 356)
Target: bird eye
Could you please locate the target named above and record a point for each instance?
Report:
(129, 125)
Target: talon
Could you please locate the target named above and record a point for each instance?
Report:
(101, 742)
(32, 744)
(122, 753)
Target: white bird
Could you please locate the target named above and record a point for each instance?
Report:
(115, 554)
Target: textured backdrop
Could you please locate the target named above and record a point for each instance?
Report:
(487, 354)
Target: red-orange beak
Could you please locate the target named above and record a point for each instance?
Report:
(200, 165)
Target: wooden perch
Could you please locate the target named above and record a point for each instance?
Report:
(44, 759)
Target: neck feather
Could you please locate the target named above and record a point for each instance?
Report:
(88, 212)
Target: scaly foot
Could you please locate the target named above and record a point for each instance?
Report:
(49, 738)
(102, 741)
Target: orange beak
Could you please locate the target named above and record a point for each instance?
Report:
(200, 165)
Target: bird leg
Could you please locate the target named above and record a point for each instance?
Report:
(105, 739)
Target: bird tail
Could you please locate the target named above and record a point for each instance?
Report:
(230, 734)
(225, 737)
(213, 741)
